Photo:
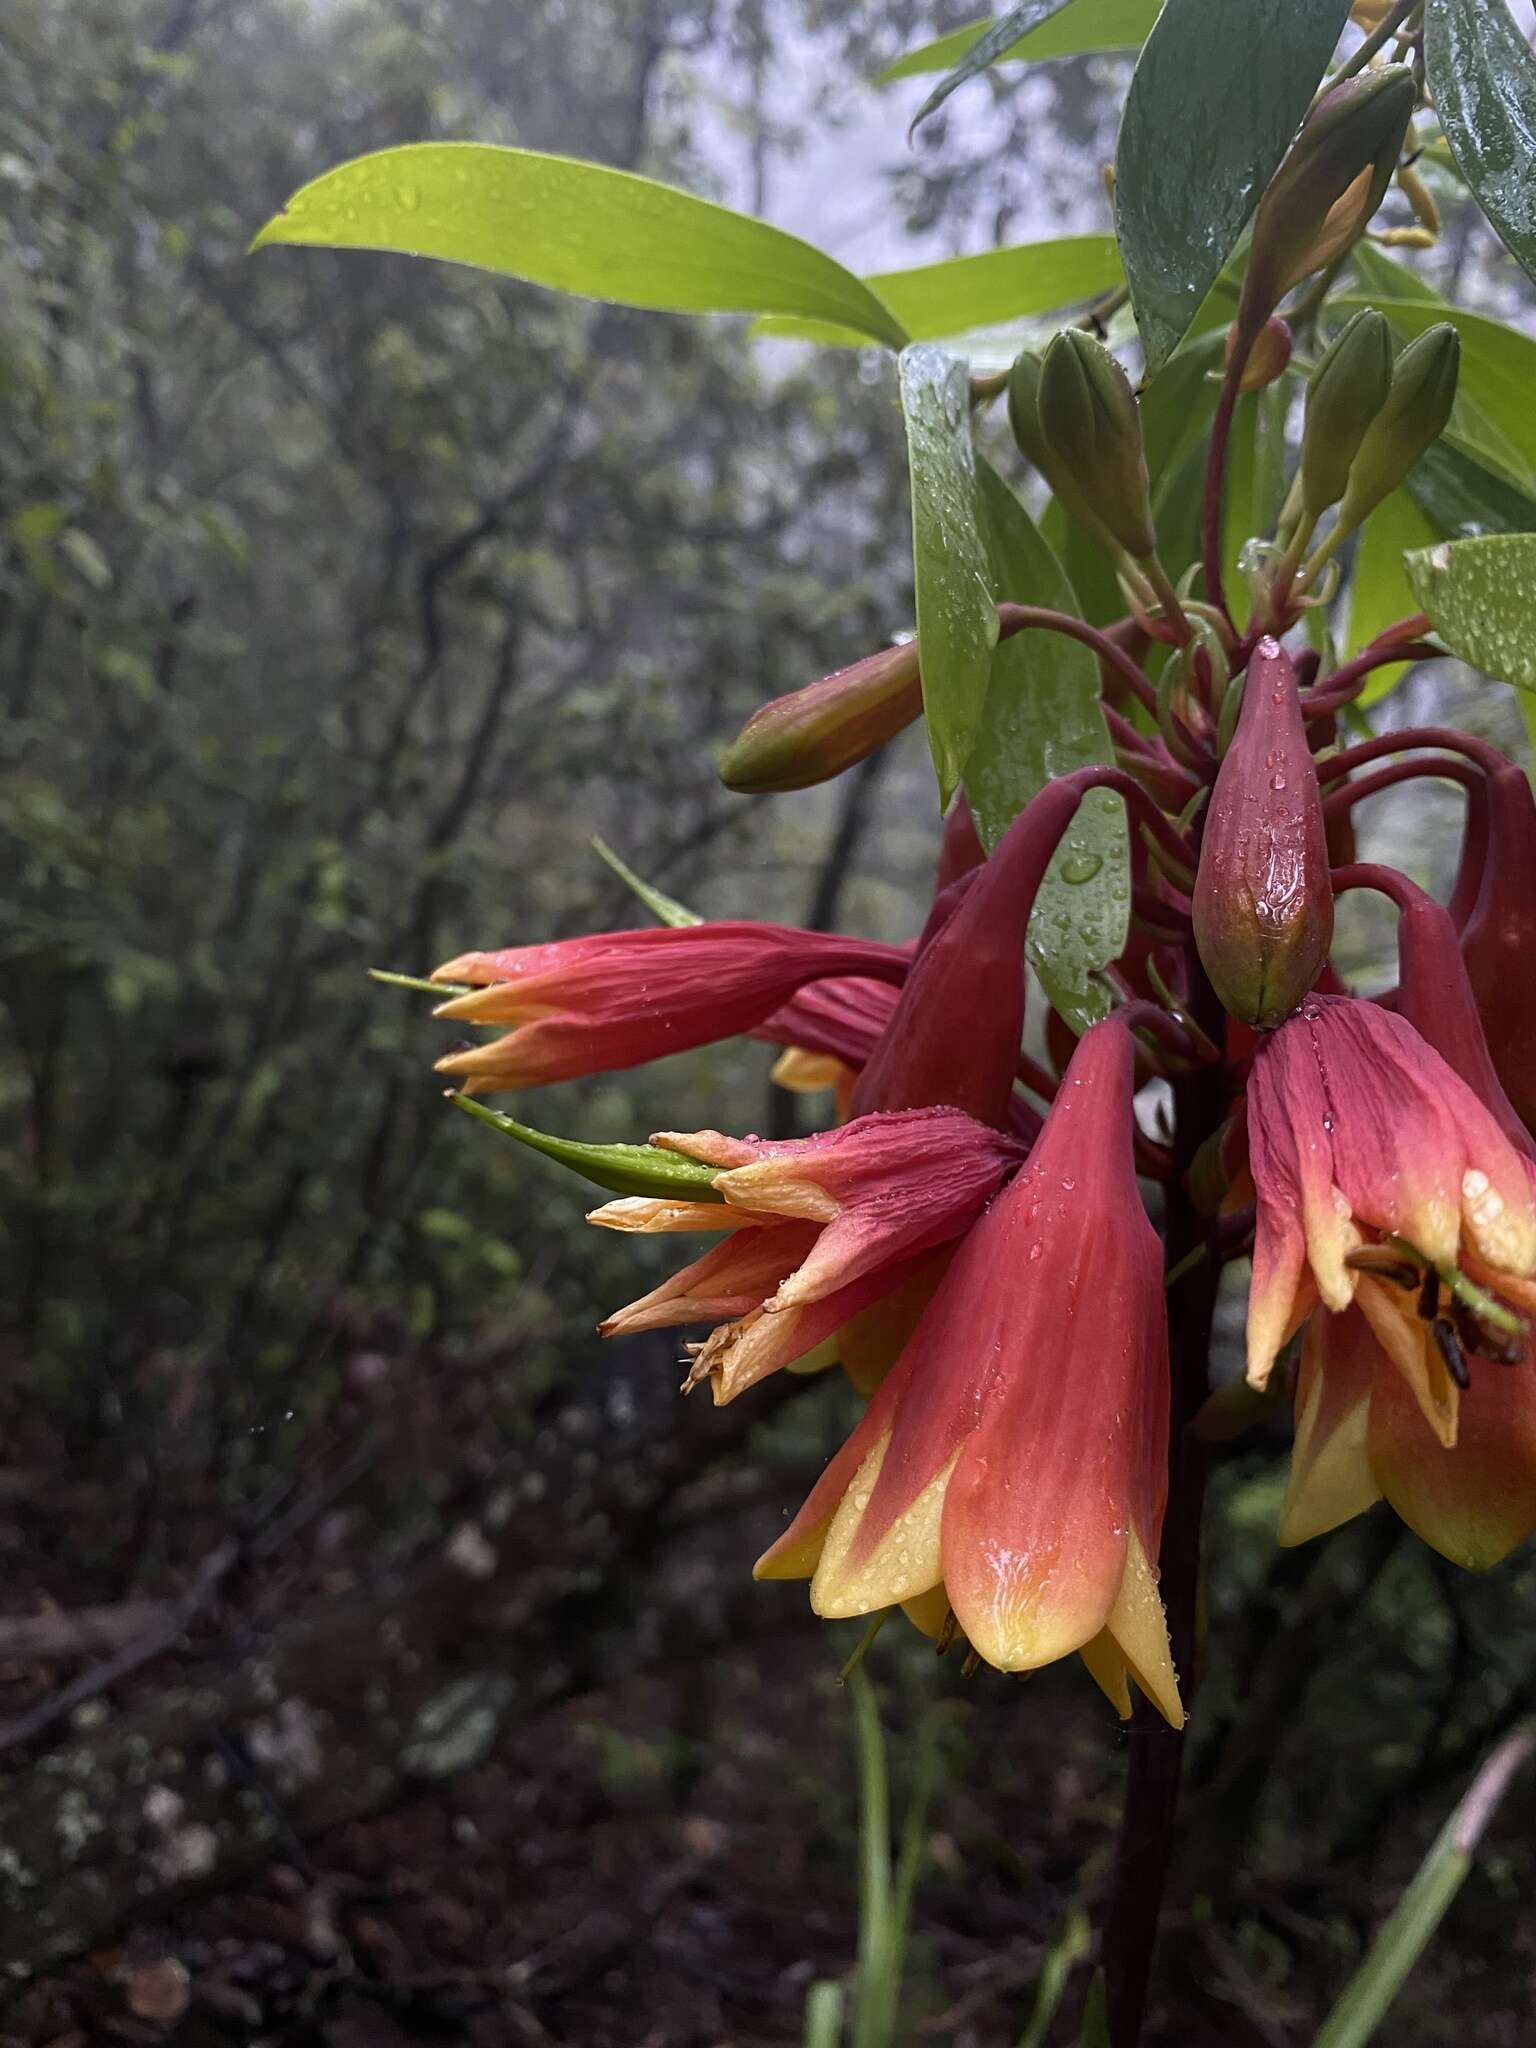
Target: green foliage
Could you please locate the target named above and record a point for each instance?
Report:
(623, 1169)
(1087, 26)
(1478, 596)
(1483, 77)
(578, 227)
(1212, 108)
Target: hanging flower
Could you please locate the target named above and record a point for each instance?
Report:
(820, 1229)
(1015, 1458)
(1382, 1179)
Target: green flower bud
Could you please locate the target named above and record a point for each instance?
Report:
(1416, 410)
(1024, 418)
(1091, 427)
(1344, 394)
(1331, 182)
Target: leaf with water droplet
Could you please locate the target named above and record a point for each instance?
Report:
(577, 227)
(1480, 595)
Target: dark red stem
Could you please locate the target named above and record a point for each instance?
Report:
(1014, 618)
(1345, 799)
(1215, 479)
(1481, 752)
(1346, 682)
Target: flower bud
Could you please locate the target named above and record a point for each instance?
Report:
(1329, 185)
(1263, 905)
(1091, 428)
(1416, 409)
(1268, 354)
(1024, 419)
(810, 735)
(1344, 394)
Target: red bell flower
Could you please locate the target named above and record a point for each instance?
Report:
(1382, 1179)
(1498, 942)
(821, 1228)
(618, 999)
(1015, 1457)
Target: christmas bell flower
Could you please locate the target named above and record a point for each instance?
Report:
(1015, 1457)
(618, 999)
(833, 1223)
(1381, 1178)
(1361, 1437)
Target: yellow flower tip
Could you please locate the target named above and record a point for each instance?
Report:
(1109, 1671)
(929, 1612)
(851, 1579)
(808, 1073)
(768, 1188)
(797, 1560)
(1330, 1480)
(1139, 1628)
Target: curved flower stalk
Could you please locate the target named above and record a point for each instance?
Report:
(1382, 1180)
(1015, 1457)
(819, 1229)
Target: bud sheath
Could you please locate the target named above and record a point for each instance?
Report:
(815, 733)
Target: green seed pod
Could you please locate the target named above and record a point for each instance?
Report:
(1344, 394)
(1331, 182)
(1091, 426)
(1416, 410)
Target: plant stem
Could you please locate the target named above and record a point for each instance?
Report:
(1145, 1846)
(1378, 38)
(1215, 477)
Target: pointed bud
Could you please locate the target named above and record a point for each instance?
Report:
(1263, 905)
(1329, 185)
(1091, 426)
(1344, 394)
(1024, 419)
(1417, 408)
(1267, 356)
(810, 735)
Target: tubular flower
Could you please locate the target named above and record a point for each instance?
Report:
(1014, 1459)
(617, 999)
(1361, 1437)
(1498, 942)
(1382, 1180)
(821, 1228)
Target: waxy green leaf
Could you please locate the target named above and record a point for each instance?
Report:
(956, 611)
(577, 227)
(1219, 92)
(1043, 717)
(1482, 76)
(1480, 596)
(622, 1169)
(934, 300)
(1087, 25)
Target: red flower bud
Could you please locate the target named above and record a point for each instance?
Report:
(1268, 356)
(1263, 907)
(810, 735)
(1499, 940)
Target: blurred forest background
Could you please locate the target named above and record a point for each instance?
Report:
(378, 1656)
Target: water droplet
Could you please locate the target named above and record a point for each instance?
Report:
(408, 197)
(1081, 867)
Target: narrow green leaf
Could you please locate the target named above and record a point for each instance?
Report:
(994, 41)
(441, 989)
(1480, 596)
(1218, 93)
(823, 2015)
(1086, 26)
(934, 300)
(1074, 1940)
(1482, 76)
(1411, 1926)
(1042, 718)
(1095, 2029)
(1493, 415)
(956, 612)
(665, 909)
(1379, 590)
(577, 227)
(622, 1169)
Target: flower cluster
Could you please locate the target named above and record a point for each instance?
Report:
(969, 1238)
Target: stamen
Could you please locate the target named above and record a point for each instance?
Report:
(947, 1633)
(1429, 1295)
(1382, 1262)
(1449, 1344)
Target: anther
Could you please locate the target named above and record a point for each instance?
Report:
(1449, 1344)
